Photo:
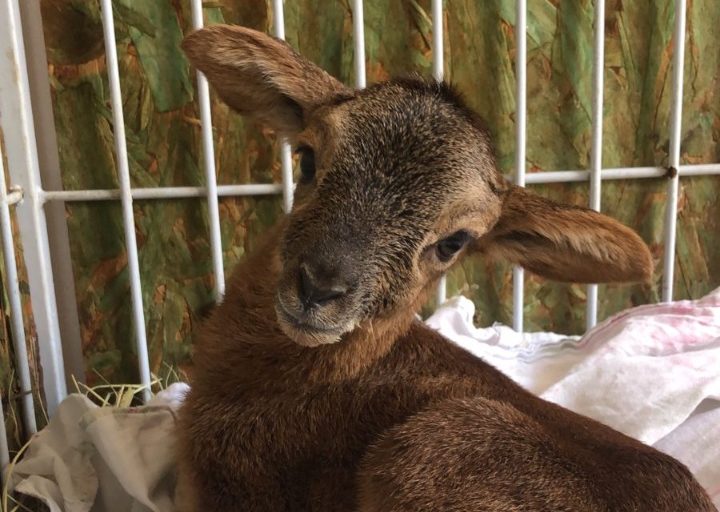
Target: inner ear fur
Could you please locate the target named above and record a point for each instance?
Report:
(260, 76)
(566, 243)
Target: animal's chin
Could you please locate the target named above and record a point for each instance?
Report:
(306, 334)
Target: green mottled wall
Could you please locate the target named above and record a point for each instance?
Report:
(163, 137)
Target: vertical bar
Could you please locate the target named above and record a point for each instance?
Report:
(209, 164)
(597, 141)
(49, 164)
(4, 450)
(287, 176)
(126, 195)
(17, 121)
(674, 156)
(520, 137)
(359, 41)
(16, 316)
(285, 153)
(438, 73)
(438, 62)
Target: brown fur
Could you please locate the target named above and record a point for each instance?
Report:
(558, 242)
(350, 403)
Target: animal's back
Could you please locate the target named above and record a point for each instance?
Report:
(487, 444)
(480, 454)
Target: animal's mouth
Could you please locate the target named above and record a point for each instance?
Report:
(304, 331)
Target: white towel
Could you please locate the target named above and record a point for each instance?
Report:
(642, 371)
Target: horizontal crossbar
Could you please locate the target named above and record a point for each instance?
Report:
(536, 178)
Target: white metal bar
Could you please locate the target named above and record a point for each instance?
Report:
(438, 48)
(279, 19)
(359, 43)
(620, 173)
(674, 155)
(438, 73)
(520, 137)
(51, 176)
(698, 170)
(4, 450)
(126, 196)
(15, 303)
(209, 164)
(254, 189)
(16, 120)
(597, 138)
(287, 176)
(285, 152)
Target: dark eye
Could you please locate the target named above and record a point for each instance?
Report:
(447, 247)
(307, 164)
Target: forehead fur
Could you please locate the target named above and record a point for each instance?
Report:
(410, 143)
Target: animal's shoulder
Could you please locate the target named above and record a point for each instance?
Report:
(427, 361)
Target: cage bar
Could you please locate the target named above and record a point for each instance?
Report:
(698, 170)
(147, 193)
(674, 154)
(36, 58)
(287, 176)
(16, 120)
(203, 92)
(285, 151)
(438, 73)
(359, 43)
(17, 327)
(597, 138)
(438, 57)
(259, 189)
(4, 449)
(123, 168)
(520, 137)
(619, 173)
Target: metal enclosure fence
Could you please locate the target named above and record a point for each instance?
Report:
(28, 197)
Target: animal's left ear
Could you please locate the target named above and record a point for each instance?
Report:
(260, 76)
(565, 243)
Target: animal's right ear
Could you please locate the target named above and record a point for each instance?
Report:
(260, 76)
(565, 243)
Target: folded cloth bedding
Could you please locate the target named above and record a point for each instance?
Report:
(103, 459)
(652, 372)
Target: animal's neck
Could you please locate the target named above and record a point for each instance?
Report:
(243, 334)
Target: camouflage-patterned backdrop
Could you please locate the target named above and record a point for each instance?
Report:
(163, 136)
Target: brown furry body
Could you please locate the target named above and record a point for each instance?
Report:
(315, 388)
(398, 420)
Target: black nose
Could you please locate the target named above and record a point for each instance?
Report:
(318, 288)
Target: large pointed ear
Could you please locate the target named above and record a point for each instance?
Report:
(260, 76)
(565, 243)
